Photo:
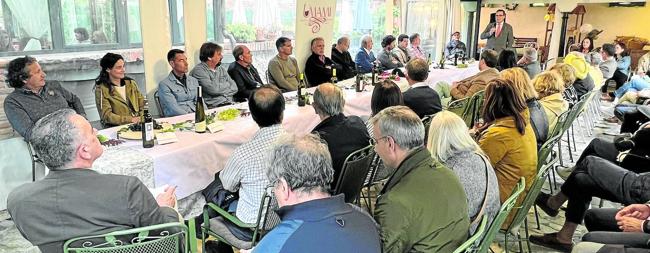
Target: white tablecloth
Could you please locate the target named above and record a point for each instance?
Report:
(191, 163)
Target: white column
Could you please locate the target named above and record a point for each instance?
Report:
(156, 41)
(195, 28)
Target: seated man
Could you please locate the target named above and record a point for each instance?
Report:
(414, 49)
(401, 51)
(244, 73)
(420, 97)
(468, 86)
(529, 62)
(245, 171)
(283, 69)
(643, 67)
(593, 60)
(341, 56)
(609, 64)
(365, 57)
(408, 221)
(217, 86)
(386, 57)
(178, 91)
(32, 97)
(343, 134)
(318, 68)
(73, 200)
(623, 227)
(599, 177)
(300, 171)
(455, 47)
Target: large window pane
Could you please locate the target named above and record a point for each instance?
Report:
(88, 22)
(133, 19)
(25, 25)
(423, 17)
(177, 24)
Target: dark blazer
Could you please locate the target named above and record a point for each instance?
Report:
(343, 136)
(79, 202)
(346, 68)
(364, 61)
(583, 86)
(247, 80)
(422, 100)
(318, 72)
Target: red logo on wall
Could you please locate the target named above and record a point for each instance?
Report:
(315, 16)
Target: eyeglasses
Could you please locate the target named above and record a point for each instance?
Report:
(374, 141)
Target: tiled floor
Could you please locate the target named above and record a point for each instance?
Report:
(12, 242)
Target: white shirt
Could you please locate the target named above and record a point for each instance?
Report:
(420, 84)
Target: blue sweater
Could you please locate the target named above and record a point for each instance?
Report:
(322, 225)
(364, 60)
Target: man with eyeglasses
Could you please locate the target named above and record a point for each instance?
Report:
(422, 207)
(499, 34)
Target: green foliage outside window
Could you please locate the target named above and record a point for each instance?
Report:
(242, 32)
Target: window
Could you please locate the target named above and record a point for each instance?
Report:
(356, 18)
(25, 26)
(88, 22)
(58, 26)
(176, 22)
(423, 17)
(254, 23)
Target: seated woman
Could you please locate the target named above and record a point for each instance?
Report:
(549, 87)
(117, 96)
(524, 88)
(568, 75)
(509, 140)
(507, 59)
(385, 94)
(450, 143)
(623, 62)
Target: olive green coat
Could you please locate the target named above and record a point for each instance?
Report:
(422, 207)
(113, 109)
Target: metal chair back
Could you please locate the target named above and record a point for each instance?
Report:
(354, 173)
(506, 207)
(162, 238)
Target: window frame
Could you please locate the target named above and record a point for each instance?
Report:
(56, 30)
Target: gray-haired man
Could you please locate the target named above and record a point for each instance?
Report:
(343, 134)
(422, 207)
(300, 171)
(529, 62)
(72, 200)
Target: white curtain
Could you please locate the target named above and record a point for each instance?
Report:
(239, 13)
(265, 17)
(33, 17)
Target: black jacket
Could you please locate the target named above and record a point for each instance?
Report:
(346, 68)
(539, 121)
(247, 80)
(343, 136)
(318, 72)
(423, 101)
(583, 86)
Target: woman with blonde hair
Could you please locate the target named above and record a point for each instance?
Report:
(568, 75)
(524, 88)
(451, 144)
(549, 86)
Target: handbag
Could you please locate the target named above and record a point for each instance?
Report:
(215, 193)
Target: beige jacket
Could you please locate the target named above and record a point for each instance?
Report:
(468, 86)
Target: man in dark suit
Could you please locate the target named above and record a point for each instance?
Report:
(420, 97)
(73, 200)
(343, 134)
(244, 73)
(499, 34)
(342, 57)
(318, 67)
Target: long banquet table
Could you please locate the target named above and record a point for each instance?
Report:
(190, 163)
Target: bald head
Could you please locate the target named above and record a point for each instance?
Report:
(328, 100)
(267, 106)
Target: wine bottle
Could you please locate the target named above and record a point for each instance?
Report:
(301, 83)
(456, 59)
(334, 80)
(442, 60)
(147, 127)
(358, 82)
(373, 70)
(199, 115)
(429, 60)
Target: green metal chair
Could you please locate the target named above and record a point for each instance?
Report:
(472, 111)
(458, 106)
(471, 243)
(266, 220)
(521, 213)
(161, 238)
(506, 207)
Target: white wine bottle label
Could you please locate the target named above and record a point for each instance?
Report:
(148, 132)
(200, 126)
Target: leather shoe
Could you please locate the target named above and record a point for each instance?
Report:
(550, 241)
(542, 202)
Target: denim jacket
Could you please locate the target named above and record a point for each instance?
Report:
(176, 98)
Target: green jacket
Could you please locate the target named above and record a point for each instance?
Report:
(422, 207)
(112, 108)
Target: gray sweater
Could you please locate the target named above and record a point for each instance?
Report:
(218, 87)
(470, 169)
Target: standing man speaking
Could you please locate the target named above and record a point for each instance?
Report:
(499, 35)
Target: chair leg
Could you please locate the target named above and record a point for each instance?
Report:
(573, 137)
(559, 151)
(521, 247)
(527, 234)
(536, 218)
(568, 138)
